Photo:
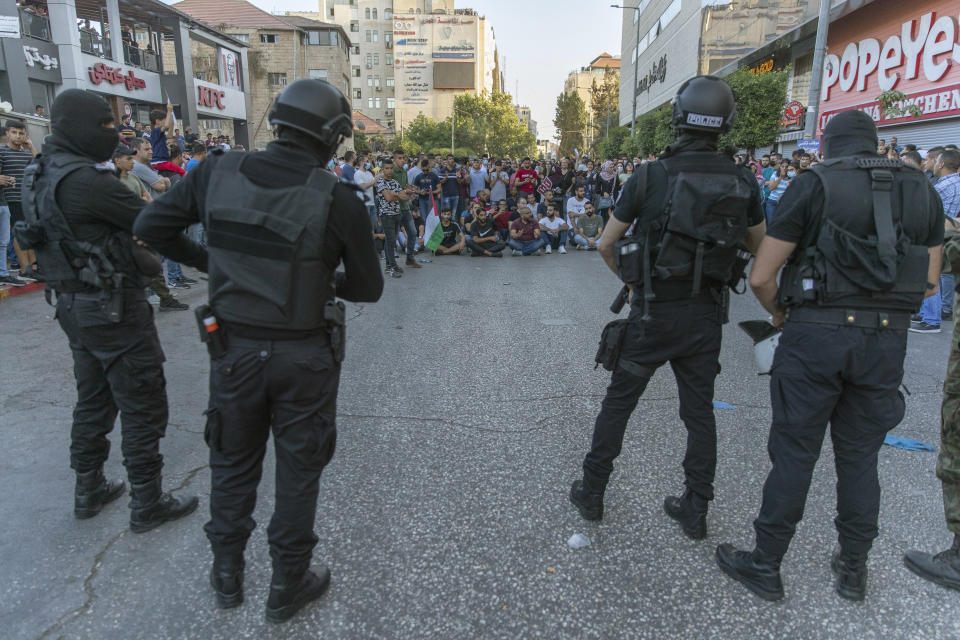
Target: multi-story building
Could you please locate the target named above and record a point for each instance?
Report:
(282, 49)
(136, 53)
(546, 149)
(523, 114)
(583, 81)
(412, 56)
(666, 42)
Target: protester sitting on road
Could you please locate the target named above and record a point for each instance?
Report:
(502, 217)
(483, 239)
(453, 241)
(575, 205)
(553, 230)
(525, 234)
(588, 230)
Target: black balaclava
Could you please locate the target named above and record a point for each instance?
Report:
(78, 117)
(849, 133)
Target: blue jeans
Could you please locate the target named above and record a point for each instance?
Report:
(946, 292)
(425, 207)
(4, 238)
(769, 207)
(553, 240)
(526, 248)
(173, 270)
(450, 202)
(931, 309)
(582, 241)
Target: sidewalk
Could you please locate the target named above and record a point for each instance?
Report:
(8, 290)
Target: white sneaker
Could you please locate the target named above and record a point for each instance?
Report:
(579, 247)
(563, 249)
(153, 299)
(517, 253)
(548, 251)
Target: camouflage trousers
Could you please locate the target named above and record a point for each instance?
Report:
(948, 462)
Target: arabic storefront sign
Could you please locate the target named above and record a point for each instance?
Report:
(36, 59)
(658, 73)
(102, 73)
(763, 67)
(453, 54)
(411, 42)
(941, 102)
(463, 46)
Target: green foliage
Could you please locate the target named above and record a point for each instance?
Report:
(605, 99)
(894, 105)
(360, 143)
(760, 101)
(459, 152)
(484, 124)
(610, 146)
(654, 132)
(570, 119)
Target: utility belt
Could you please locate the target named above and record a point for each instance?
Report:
(864, 319)
(214, 335)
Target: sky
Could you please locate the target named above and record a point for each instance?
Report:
(542, 42)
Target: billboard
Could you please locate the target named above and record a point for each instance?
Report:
(454, 75)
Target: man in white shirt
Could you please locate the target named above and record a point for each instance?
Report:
(478, 178)
(364, 179)
(553, 230)
(576, 206)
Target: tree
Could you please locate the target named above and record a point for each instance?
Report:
(488, 123)
(760, 101)
(605, 102)
(610, 147)
(360, 142)
(570, 119)
(894, 104)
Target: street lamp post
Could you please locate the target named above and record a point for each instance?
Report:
(636, 65)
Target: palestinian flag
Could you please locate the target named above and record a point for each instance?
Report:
(432, 231)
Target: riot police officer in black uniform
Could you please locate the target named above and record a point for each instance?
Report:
(863, 236)
(278, 224)
(79, 220)
(692, 209)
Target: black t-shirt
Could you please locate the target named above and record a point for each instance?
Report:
(483, 229)
(798, 214)
(450, 233)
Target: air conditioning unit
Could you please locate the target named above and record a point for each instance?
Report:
(388, 45)
(389, 112)
(379, 88)
(369, 65)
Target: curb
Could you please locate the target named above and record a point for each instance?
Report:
(9, 291)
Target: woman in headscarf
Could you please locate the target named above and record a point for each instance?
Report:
(607, 189)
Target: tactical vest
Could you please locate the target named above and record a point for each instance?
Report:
(696, 238)
(882, 271)
(265, 248)
(69, 264)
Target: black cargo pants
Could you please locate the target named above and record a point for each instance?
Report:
(118, 367)
(685, 333)
(289, 387)
(846, 376)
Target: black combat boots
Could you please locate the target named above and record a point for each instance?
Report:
(226, 578)
(943, 568)
(756, 570)
(92, 492)
(289, 592)
(150, 506)
(587, 496)
(851, 571)
(690, 511)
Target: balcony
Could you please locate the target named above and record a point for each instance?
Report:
(33, 24)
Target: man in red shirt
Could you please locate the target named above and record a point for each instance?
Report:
(525, 234)
(525, 180)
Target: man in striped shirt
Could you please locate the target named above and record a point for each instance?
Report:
(14, 158)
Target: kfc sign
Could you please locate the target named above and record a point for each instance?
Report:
(921, 53)
(207, 97)
(102, 73)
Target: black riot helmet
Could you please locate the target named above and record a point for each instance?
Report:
(704, 103)
(316, 108)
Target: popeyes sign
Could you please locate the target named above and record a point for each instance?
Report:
(915, 53)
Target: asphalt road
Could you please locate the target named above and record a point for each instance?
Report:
(467, 402)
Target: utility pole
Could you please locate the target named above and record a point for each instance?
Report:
(816, 77)
(636, 64)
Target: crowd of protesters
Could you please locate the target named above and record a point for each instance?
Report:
(487, 206)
